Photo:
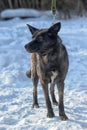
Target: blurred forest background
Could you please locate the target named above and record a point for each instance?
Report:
(65, 7)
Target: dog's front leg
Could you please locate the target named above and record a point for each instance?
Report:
(61, 103)
(35, 100)
(50, 112)
(52, 85)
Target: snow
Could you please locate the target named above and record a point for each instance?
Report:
(9, 13)
(16, 111)
(24, 12)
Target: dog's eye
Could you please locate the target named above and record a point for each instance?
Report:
(39, 39)
(50, 35)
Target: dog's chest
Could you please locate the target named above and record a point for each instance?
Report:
(53, 76)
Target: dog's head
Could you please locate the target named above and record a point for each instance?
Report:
(43, 40)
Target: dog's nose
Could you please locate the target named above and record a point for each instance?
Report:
(26, 46)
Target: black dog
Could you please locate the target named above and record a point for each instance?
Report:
(49, 63)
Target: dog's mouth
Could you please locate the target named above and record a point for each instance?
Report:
(45, 51)
(33, 50)
(36, 49)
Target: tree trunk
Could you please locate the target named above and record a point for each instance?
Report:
(10, 4)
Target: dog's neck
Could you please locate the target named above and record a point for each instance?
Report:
(51, 58)
(53, 49)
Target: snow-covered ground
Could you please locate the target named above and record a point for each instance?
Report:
(16, 89)
(24, 12)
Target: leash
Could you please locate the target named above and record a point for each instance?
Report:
(53, 8)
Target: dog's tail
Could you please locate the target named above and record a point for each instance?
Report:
(28, 73)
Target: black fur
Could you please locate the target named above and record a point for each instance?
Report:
(49, 63)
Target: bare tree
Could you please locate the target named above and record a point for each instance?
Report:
(68, 7)
(65, 7)
(10, 4)
(2, 6)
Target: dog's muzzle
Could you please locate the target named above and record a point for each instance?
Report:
(27, 47)
(30, 48)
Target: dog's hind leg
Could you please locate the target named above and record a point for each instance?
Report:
(61, 103)
(54, 101)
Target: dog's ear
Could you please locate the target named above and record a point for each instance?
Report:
(32, 29)
(55, 28)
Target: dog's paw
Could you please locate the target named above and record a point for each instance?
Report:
(50, 114)
(35, 106)
(63, 117)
